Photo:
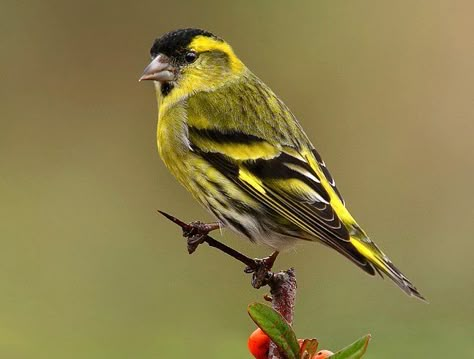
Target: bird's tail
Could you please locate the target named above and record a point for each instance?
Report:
(382, 264)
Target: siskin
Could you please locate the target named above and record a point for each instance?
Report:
(240, 151)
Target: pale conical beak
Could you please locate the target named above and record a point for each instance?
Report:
(159, 69)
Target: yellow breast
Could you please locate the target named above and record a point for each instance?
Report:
(172, 140)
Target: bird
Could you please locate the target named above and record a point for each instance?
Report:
(240, 151)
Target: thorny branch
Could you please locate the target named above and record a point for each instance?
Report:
(282, 284)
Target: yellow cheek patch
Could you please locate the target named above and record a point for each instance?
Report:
(205, 43)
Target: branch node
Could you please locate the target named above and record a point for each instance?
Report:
(282, 284)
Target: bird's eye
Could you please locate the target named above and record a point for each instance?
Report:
(190, 57)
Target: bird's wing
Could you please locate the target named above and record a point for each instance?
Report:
(292, 182)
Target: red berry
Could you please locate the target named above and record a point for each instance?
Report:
(323, 354)
(258, 344)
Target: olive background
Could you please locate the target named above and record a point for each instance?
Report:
(88, 269)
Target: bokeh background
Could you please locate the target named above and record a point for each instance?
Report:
(89, 270)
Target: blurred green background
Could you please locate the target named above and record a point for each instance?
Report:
(89, 270)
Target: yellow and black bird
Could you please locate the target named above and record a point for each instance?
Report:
(240, 151)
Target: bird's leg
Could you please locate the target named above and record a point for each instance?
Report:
(262, 270)
(197, 232)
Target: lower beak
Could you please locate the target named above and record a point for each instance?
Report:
(159, 69)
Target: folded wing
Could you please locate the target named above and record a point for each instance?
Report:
(281, 179)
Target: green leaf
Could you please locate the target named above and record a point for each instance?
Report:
(276, 327)
(308, 348)
(354, 351)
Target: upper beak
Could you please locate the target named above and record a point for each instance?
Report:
(159, 69)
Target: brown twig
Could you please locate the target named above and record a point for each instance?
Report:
(283, 291)
(249, 262)
(282, 284)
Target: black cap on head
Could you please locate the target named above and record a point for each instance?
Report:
(174, 43)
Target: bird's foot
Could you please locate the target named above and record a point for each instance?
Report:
(262, 270)
(196, 233)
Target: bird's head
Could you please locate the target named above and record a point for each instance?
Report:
(191, 60)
